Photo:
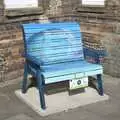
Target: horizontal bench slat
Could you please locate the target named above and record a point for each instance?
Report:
(54, 42)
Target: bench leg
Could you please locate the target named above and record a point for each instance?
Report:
(41, 85)
(100, 84)
(24, 83)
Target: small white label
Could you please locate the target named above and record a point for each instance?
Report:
(93, 2)
(78, 83)
(10, 4)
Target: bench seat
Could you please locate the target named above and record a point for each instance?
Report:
(70, 70)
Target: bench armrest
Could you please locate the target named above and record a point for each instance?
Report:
(97, 54)
(32, 59)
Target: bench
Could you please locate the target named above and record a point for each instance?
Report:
(54, 53)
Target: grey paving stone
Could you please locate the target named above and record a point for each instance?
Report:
(20, 117)
(11, 106)
(103, 108)
(113, 116)
(75, 114)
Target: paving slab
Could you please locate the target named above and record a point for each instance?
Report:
(75, 114)
(11, 106)
(103, 109)
(61, 101)
(20, 117)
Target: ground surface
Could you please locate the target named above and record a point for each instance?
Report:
(11, 108)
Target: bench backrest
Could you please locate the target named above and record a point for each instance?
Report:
(53, 42)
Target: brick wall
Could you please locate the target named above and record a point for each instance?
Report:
(99, 25)
(11, 39)
(1, 11)
(11, 45)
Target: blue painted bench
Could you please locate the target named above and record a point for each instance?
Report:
(54, 53)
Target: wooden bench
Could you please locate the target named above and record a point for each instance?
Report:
(54, 53)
